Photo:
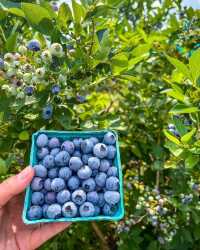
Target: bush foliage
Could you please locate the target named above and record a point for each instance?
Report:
(129, 65)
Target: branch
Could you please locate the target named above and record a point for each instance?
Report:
(100, 235)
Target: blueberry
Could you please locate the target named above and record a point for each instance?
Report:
(42, 141)
(89, 185)
(54, 143)
(54, 211)
(94, 172)
(65, 173)
(112, 171)
(1, 63)
(68, 146)
(55, 89)
(33, 45)
(63, 196)
(69, 209)
(87, 209)
(47, 184)
(54, 151)
(53, 173)
(112, 197)
(100, 179)
(34, 213)
(62, 158)
(49, 161)
(109, 138)
(87, 146)
(77, 143)
(57, 184)
(40, 171)
(42, 152)
(75, 163)
(104, 165)
(94, 140)
(97, 210)
(94, 163)
(44, 191)
(111, 152)
(84, 172)
(93, 197)
(37, 184)
(47, 112)
(37, 198)
(101, 201)
(44, 210)
(77, 153)
(171, 126)
(50, 198)
(29, 90)
(85, 158)
(79, 197)
(100, 150)
(73, 183)
(112, 183)
(109, 210)
(80, 98)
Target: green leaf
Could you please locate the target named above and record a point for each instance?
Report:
(183, 109)
(11, 42)
(171, 137)
(64, 15)
(78, 11)
(140, 50)
(24, 136)
(173, 148)
(3, 167)
(191, 161)
(38, 17)
(180, 126)
(175, 94)
(181, 67)
(119, 62)
(16, 11)
(188, 136)
(132, 62)
(194, 65)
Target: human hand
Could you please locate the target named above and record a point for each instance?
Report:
(14, 234)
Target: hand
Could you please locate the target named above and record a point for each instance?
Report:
(14, 234)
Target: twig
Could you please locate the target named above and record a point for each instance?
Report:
(98, 232)
(93, 30)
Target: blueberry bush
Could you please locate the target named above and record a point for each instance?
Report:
(129, 65)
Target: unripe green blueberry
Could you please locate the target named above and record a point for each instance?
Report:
(46, 56)
(151, 198)
(19, 74)
(27, 67)
(22, 49)
(6, 65)
(40, 72)
(12, 91)
(15, 64)
(9, 57)
(21, 95)
(10, 72)
(27, 77)
(56, 50)
(62, 78)
(5, 87)
(138, 207)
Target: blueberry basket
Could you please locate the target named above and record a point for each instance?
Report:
(68, 135)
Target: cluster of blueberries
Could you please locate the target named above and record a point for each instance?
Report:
(173, 130)
(74, 178)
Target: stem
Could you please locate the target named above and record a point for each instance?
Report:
(92, 43)
(3, 35)
(100, 235)
(157, 179)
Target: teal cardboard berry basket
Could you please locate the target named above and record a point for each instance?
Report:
(65, 135)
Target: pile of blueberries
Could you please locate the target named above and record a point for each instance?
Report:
(74, 178)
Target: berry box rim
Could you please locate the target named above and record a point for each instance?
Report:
(71, 134)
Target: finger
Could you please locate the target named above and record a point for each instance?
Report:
(47, 231)
(15, 185)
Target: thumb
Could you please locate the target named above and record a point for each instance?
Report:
(15, 185)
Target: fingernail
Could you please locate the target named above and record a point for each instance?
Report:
(25, 173)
